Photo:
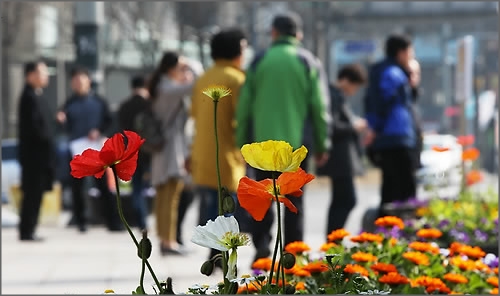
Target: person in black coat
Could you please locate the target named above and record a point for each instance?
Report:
(36, 147)
(345, 155)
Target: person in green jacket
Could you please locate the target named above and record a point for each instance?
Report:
(285, 97)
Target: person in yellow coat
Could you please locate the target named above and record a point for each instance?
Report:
(227, 49)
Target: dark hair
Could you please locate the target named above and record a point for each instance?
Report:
(396, 43)
(31, 67)
(168, 62)
(227, 44)
(78, 70)
(137, 81)
(354, 73)
(288, 24)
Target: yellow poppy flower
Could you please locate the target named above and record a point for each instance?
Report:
(275, 156)
(217, 92)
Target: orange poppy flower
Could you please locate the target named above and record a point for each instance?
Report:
(300, 286)
(257, 197)
(367, 237)
(327, 246)
(262, 264)
(300, 272)
(384, 267)
(466, 140)
(297, 247)
(363, 257)
(393, 278)
(355, 268)
(493, 281)
(423, 247)
(337, 235)
(390, 221)
(429, 233)
(417, 258)
(456, 278)
(315, 267)
(440, 149)
(470, 154)
(494, 291)
(473, 177)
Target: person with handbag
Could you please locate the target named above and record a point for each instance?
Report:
(170, 84)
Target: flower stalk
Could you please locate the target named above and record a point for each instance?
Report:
(124, 221)
(279, 242)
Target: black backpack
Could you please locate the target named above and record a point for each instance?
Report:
(149, 127)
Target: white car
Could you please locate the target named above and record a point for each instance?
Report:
(440, 169)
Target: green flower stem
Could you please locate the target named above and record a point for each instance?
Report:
(124, 221)
(279, 242)
(219, 196)
(143, 266)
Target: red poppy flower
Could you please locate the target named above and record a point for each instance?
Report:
(256, 197)
(114, 153)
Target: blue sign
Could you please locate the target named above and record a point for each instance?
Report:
(360, 46)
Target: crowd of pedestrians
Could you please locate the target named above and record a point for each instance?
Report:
(283, 94)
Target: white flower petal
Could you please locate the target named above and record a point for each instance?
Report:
(203, 237)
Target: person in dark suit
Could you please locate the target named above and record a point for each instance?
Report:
(36, 147)
(127, 113)
(345, 155)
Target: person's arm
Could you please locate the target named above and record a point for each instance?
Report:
(175, 89)
(243, 109)
(320, 109)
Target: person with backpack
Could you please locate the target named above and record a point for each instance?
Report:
(171, 84)
(391, 138)
(127, 114)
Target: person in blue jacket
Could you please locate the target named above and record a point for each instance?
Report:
(392, 139)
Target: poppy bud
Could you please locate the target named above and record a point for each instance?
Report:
(288, 260)
(228, 204)
(207, 268)
(261, 278)
(233, 288)
(289, 289)
(144, 244)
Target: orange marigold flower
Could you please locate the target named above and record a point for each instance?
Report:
(456, 278)
(393, 241)
(367, 237)
(417, 258)
(493, 281)
(429, 233)
(327, 246)
(427, 281)
(263, 264)
(455, 248)
(251, 288)
(337, 235)
(355, 268)
(300, 286)
(481, 266)
(470, 154)
(316, 267)
(495, 270)
(384, 267)
(463, 264)
(393, 278)
(297, 247)
(455, 293)
(301, 272)
(494, 291)
(292, 270)
(424, 247)
(440, 289)
(363, 257)
(440, 148)
(473, 177)
(390, 221)
(280, 283)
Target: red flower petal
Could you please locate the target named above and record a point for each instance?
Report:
(113, 149)
(134, 142)
(87, 164)
(288, 204)
(254, 197)
(125, 169)
(291, 183)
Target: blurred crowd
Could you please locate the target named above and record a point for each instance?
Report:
(284, 94)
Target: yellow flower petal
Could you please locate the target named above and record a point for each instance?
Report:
(277, 156)
(217, 92)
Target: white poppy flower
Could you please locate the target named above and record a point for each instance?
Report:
(223, 234)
